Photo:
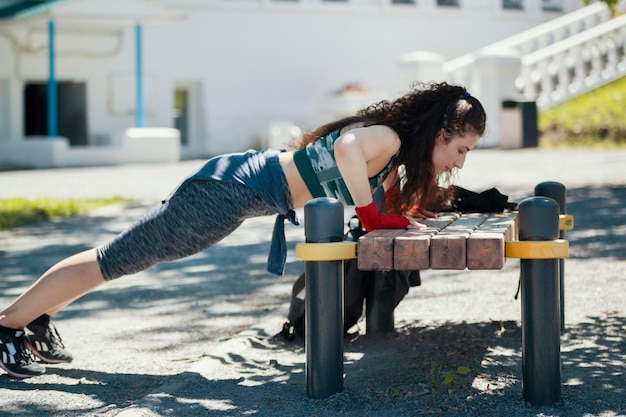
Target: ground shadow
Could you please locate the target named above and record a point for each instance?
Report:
(599, 222)
(404, 370)
(403, 373)
(121, 390)
(236, 268)
(600, 225)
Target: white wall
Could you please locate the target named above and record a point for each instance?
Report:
(253, 62)
(80, 57)
(7, 98)
(5, 105)
(260, 64)
(5, 88)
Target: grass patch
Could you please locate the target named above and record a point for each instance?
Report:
(594, 119)
(16, 212)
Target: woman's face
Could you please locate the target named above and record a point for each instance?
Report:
(450, 155)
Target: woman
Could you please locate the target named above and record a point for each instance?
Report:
(406, 146)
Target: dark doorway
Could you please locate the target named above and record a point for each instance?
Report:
(72, 110)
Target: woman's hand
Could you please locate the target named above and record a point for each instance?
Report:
(414, 224)
(422, 214)
(371, 219)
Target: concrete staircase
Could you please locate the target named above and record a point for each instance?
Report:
(547, 65)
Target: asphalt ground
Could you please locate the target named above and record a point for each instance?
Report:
(194, 337)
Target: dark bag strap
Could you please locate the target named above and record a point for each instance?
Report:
(294, 324)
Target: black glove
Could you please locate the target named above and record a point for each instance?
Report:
(488, 201)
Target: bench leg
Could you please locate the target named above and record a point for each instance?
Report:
(323, 223)
(324, 328)
(556, 191)
(541, 328)
(379, 306)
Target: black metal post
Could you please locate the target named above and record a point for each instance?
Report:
(379, 305)
(541, 332)
(323, 223)
(556, 191)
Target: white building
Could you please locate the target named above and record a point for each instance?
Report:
(222, 71)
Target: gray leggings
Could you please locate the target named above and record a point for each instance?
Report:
(198, 215)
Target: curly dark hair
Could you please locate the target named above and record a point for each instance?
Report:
(417, 117)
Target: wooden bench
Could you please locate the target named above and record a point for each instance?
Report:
(479, 242)
(453, 241)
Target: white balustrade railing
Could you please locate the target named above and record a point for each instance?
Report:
(574, 65)
(553, 31)
(537, 37)
(548, 64)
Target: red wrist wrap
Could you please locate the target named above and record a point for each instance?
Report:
(372, 219)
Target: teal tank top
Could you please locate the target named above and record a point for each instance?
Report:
(317, 165)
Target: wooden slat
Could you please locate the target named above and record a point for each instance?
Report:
(439, 223)
(412, 250)
(501, 223)
(375, 250)
(448, 248)
(486, 246)
(485, 251)
(474, 240)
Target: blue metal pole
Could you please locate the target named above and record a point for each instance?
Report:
(52, 85)
(323, 223)
(139, 77)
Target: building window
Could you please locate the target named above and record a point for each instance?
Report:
(512, 4)
(402, 1)
(552, 5)
(448, 3)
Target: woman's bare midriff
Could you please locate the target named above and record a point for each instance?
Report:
(300, 194)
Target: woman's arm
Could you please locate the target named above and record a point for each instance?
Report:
(362, 153)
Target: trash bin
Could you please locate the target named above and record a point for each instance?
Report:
(519, 124)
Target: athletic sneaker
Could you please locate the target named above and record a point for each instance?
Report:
(46, 344)
(15, 358)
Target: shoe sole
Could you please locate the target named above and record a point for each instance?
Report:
(16, 375)
(44, 359)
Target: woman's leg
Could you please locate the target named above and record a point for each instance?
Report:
(64, 282)
(195, 218)
(59, 307)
